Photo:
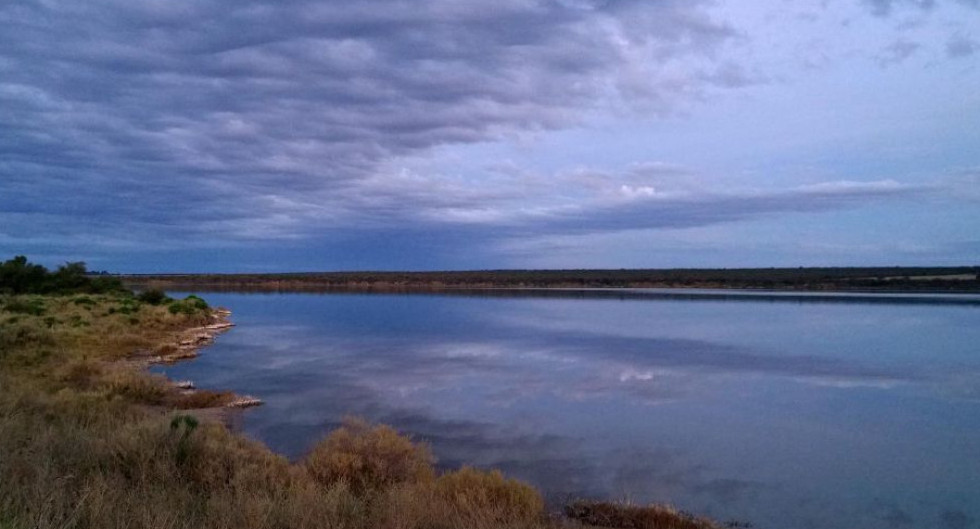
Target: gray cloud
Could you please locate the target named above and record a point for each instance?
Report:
(883, 8)
(960, 46)
(897, 52)
(214, 124)
(272, 114)
(956, 519)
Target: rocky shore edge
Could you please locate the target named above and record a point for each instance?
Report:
(187, 344)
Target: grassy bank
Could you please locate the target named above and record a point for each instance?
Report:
(89, 439)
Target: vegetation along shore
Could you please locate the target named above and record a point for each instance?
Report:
(885, 279)
(90, 439)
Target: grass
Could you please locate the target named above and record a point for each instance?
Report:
(626, 516)
(89, 440)
(369, 458)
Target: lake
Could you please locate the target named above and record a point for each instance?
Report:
(784, 410)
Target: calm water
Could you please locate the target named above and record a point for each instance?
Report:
(783, 411)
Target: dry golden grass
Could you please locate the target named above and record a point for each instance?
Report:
(369, 458)
(488, 494)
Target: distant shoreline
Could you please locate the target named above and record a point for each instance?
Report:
(894, 280)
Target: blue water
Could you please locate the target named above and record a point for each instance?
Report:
(783, 411)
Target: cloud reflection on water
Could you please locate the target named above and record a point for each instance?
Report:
(581, 412)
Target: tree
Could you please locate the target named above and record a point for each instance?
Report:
(70, 277)
(17, 276)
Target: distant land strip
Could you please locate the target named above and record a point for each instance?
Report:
(864, 279)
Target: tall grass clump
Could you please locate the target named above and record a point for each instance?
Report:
(369, 458)
(487, 496)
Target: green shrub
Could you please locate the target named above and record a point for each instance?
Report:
(190, 305)
(197, 302)
(105, 285)
(31, 306)
(369, 458)
(17, 276)
(84, 300)
(153, 296)
(190, 424)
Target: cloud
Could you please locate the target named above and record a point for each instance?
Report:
(883, 8)
(401, 213)
(956, 519)
(204, 118)
(960, 46)
(151, 127)
(897, 52)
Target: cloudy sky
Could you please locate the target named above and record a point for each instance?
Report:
(263, 135)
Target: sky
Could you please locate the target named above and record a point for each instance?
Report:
(301, 135)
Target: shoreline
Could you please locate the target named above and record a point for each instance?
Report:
(823, 279)
(586, 512)
(91, 437)
(185, 345)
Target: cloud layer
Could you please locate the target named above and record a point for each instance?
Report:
(177, 124)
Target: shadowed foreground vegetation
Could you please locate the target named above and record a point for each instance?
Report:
(916, 279)
(89, 439)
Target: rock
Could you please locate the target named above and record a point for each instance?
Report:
(171, 358)
(244, 401)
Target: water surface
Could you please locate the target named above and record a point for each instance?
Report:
(786, 411)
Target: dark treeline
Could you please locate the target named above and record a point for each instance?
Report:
(19, 276)
(952, 279)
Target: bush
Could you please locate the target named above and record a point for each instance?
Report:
(25, 334)
(17, 276)
(84, 300)
(81, 373)
(190, 305)
(153, 296)
(196, 302)
(34, 307)
(105, 285)
(617, 515)
(369, 458)
(139, 387)
(478, 494)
